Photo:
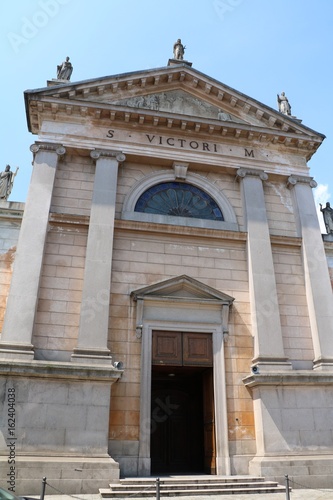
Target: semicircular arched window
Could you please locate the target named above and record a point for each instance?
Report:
(179, 200)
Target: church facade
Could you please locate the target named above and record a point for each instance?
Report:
(166, 302)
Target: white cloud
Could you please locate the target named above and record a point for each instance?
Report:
(321, 195)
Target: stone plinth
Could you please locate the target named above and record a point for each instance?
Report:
(54, 423)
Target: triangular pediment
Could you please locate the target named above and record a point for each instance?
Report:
(177, 101)
(178, 97)
(182, 287)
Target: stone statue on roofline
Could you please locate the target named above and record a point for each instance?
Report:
(64, 70)
(284, 106)
(178, 50)
(6, 182)
(328, 217)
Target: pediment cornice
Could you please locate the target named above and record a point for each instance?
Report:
(182, 287)
(95, 99)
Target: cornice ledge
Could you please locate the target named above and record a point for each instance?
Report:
(59, 370)
(302, 179)
(11, 209)
(294, 241)
(243, 172)
(299, 377)
(69, 219)
(151, 227)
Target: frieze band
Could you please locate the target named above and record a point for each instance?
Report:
(159, 140)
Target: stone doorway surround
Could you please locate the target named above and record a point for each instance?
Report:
(185, 304)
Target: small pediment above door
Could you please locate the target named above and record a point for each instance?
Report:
(177, 101)
(182, 288)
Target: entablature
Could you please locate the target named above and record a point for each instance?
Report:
(111, 116)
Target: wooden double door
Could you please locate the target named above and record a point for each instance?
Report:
(182, 404)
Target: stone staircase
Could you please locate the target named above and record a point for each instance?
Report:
(190, 486)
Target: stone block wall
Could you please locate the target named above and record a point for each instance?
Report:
(141, 259)
(53, 427)
(296, 435)
(58, 310)
(279, 209)
(10, 224)
(294, 313)
(73, 186)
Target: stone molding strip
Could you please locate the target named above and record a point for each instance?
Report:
(59, 370)
(304, 377)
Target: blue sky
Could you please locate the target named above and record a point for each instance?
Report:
(259, 47)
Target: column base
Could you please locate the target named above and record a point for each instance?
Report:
(91, 356)
(15, 350)
(323, 364)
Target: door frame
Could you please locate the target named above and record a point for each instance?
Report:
(219, 383)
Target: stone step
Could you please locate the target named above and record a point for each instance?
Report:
(190, 486)
(190, 479)
(194, 486)
(187, 492)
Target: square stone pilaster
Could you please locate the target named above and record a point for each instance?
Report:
(94, 317)
(23, 294)
(268, 343)
(317, 281)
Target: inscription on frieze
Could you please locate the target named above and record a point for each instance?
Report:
(188, 143)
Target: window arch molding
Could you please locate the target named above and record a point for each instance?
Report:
(128, 212)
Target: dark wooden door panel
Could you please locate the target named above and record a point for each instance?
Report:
(182, 349)
(197, 349)
(167, 348)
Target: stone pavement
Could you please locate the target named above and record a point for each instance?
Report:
(294, 495)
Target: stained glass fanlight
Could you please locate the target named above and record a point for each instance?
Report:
(179, 200)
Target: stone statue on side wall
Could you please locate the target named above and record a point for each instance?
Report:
(178, 50)
(6, 182)
(284, 106)
(64, 70)
(328, 217)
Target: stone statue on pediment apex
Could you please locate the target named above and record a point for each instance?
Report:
(284, 106)
(328, 217)
(64, 70)
(178, 50)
